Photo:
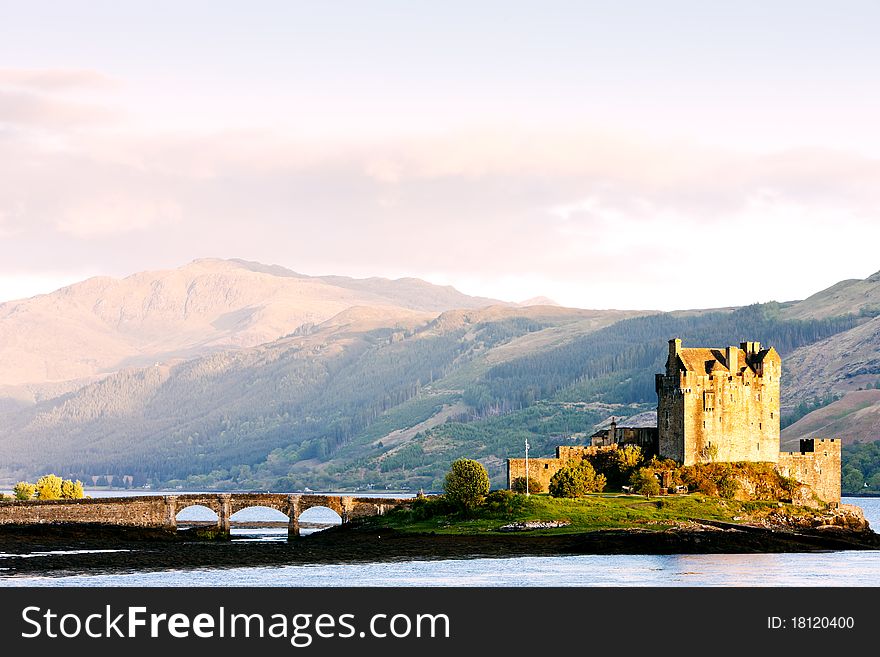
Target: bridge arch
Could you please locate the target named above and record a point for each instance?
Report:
(318, 517)
(196, 513)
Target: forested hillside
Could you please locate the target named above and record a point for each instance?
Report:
(386, 397)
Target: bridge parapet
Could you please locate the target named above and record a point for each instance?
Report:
(160, 511)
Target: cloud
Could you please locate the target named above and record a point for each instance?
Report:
(54, 99)
(34, 110)
(117, 213)
(54, 80)
(594, 219)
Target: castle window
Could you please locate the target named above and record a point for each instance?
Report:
(708, 401)
(771, 415)
(546, 466)
(760, 425)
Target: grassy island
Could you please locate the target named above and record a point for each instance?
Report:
(503, 511)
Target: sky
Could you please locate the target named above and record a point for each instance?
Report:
(603, 154)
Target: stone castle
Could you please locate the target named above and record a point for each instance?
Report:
(718, 405)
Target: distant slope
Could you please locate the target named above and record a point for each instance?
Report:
(309, 395)
(373, 396)
(103, 324)
(854, 419)
(853, 296)
(838, 364)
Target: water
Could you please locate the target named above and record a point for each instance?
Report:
(861, 568)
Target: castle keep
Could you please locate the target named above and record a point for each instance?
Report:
(719, 404)
(713, 405)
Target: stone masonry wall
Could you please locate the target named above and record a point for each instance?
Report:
(817, 465)
(128, 512)
(543, 469)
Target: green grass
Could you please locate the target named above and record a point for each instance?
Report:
(595, 512)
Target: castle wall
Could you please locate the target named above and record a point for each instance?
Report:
(670, 418)
(817, 465)
(543, 469)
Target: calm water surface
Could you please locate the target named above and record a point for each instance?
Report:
(823, 569)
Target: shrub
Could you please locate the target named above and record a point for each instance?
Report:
(24, 490)
(629, 457)
(645, 482)
(466, 484)
(728, 486)
(503, 501)
(518, 485)
(71, 490)
(576, 481)
(616, 464)
(428, 507)
(49, 487)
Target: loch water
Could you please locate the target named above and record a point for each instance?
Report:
(834, 568)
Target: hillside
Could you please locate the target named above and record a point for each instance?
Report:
(842, 363)
(308, 395)
(854, 296)
(855, 419)
(374, 397)
(53, 343)
(386, 391)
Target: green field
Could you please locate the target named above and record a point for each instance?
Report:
(601, 511)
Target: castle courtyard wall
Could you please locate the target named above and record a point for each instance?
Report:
(817, 465)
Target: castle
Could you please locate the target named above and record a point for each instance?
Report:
(718, 405)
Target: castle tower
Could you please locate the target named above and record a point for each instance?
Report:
(719, 404)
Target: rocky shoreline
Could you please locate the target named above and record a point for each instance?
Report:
(137, 550)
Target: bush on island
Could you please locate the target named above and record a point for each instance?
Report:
(466, 484)
(576, 481)
(24, 490)
(504, 501)
(49, 487)
(71, 490)
(644, 481)
(518, 485)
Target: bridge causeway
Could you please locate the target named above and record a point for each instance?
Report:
(160, 511)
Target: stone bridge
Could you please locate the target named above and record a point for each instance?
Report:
(160, 511)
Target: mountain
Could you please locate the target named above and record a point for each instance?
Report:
(320, 396)
(852, 296)
(237, 375)
(53, 343)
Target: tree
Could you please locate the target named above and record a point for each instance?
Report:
(645, 482)
(71, 490)
(466, 484)
(518, 485)
(24, 490)
(49, 487)
(629, 457)
(576, 481)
